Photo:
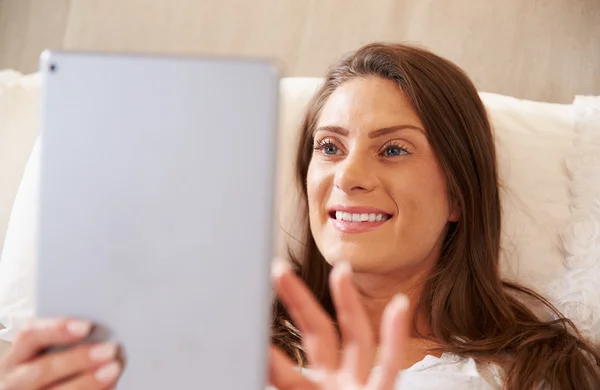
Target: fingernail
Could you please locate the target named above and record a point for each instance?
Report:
(79, 328)
(341, 268)
(103, 352)
(279, 268)
(400, 302)
(108, 372)
(344, 267)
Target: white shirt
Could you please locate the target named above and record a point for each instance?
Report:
(448, 372)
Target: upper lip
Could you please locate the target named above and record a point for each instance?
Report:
(358, 210)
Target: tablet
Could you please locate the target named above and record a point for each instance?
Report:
(156, 210)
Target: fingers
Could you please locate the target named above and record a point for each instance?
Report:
(394, 336)
(42, 334)
(357, 335)
(103, 378)
(58, 366)
(283, 374)
(319, 336)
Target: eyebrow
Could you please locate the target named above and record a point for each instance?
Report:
(374, 134)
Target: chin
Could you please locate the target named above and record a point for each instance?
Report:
(361, 257)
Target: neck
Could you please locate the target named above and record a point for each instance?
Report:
(377, 290)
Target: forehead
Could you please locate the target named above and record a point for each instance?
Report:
(364, 103)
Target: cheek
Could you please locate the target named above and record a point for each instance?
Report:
(423, 197)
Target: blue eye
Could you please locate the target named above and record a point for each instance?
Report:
(394, 151)
(330, 149)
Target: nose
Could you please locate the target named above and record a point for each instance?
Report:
(355, 174)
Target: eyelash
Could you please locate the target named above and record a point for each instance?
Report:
(322, 144)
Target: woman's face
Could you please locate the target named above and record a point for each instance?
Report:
(377, 196)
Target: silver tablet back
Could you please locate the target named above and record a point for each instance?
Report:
(156, 211)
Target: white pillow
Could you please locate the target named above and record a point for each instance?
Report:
(18, 129)
(17, 263)
(535, 142)
(532, 142)
(578, 294)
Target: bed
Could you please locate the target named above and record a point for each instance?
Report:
(537, 65)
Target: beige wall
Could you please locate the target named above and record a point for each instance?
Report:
(544, 50)
(28, 26)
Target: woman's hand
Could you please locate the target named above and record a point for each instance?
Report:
(25, 367)
(353, 368)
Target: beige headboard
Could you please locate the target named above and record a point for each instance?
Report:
(542, 50)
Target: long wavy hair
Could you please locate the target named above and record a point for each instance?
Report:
(471, 311)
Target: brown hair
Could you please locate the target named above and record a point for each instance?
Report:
(470, 310)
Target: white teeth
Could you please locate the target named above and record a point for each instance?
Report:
(362, 217)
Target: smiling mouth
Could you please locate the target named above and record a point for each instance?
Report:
(358, 217)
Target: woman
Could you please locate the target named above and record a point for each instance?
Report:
(398, 139)
(397, 170)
